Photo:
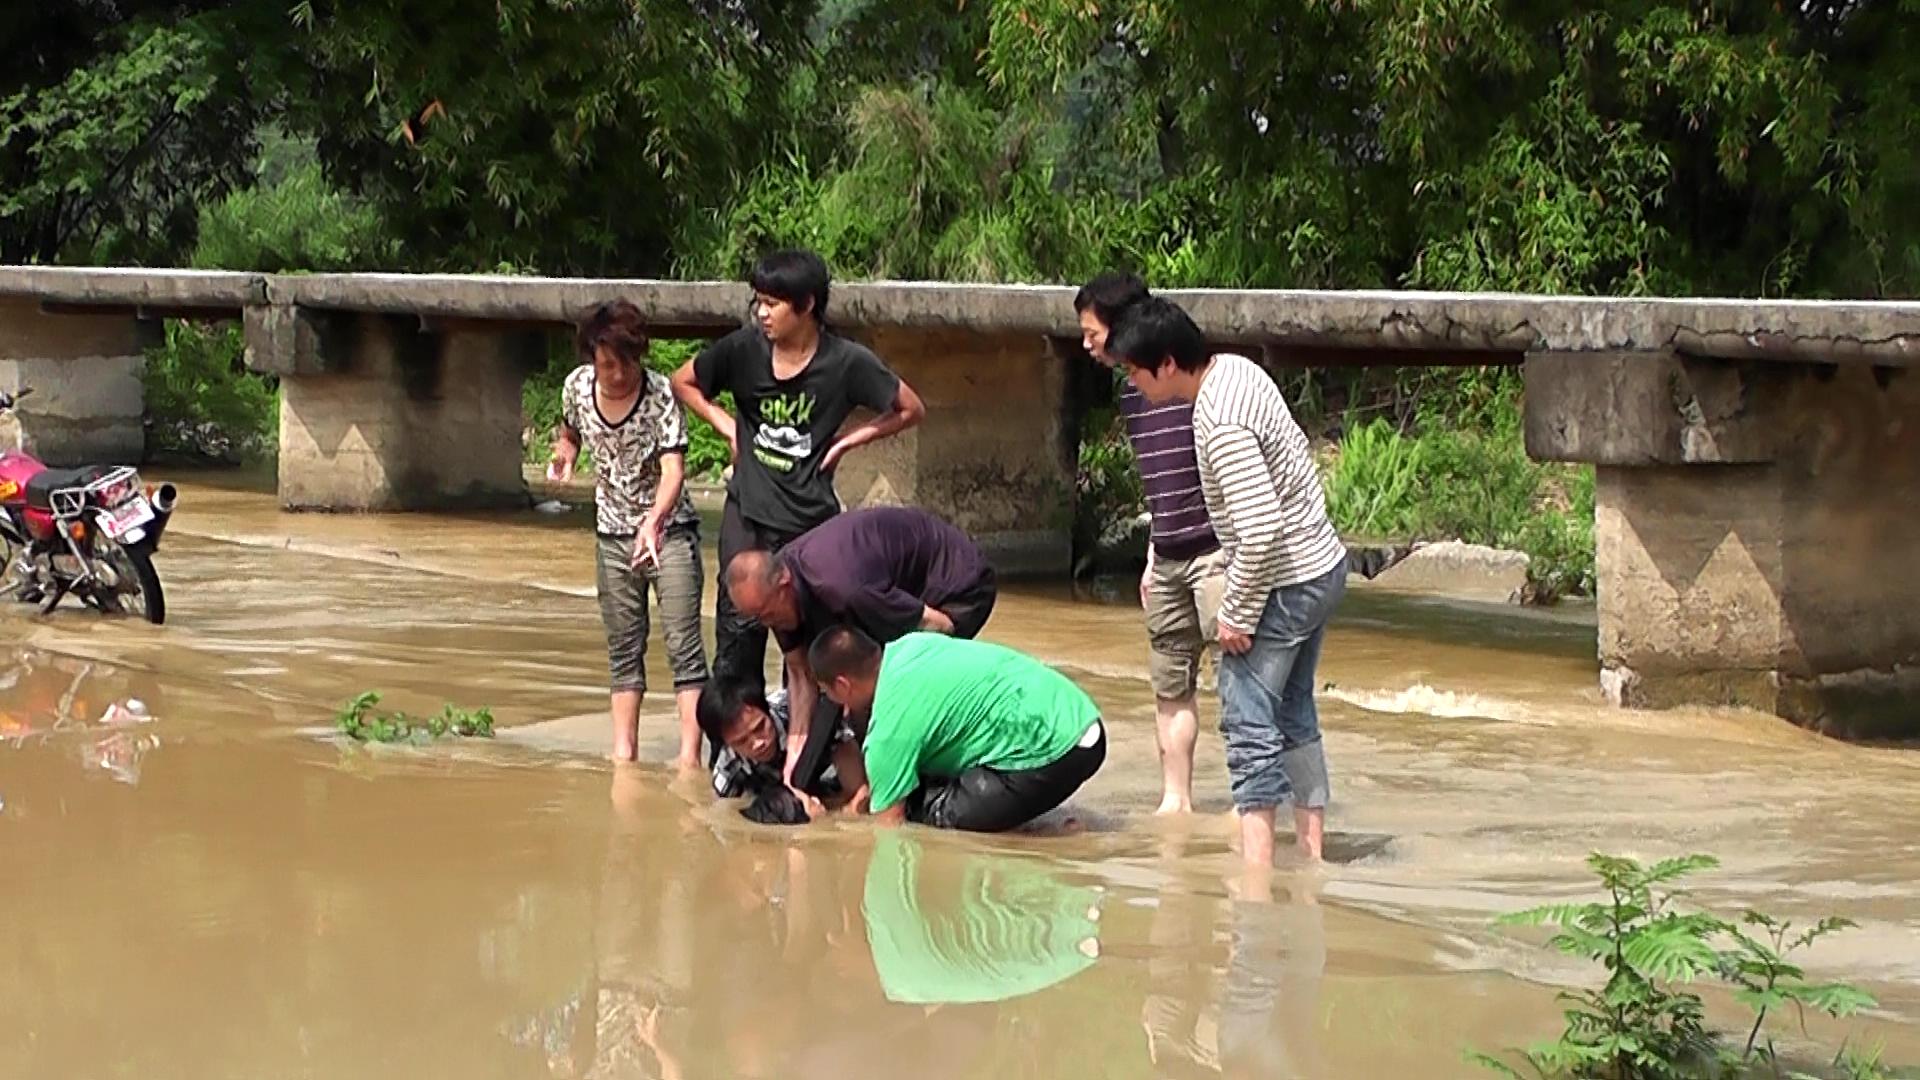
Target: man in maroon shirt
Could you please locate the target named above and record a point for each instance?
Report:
(1185, 576)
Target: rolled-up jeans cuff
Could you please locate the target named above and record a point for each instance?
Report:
(1260, 788)
(1306, 770)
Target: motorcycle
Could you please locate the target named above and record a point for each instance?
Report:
(89, 531)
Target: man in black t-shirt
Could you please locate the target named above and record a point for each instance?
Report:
(794, 383)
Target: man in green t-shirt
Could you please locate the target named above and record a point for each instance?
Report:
(959, 734)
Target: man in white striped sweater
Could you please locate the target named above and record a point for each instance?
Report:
(1286, 566)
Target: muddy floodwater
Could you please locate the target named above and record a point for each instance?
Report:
(201, 881)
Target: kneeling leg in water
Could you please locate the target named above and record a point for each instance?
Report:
(989, 800)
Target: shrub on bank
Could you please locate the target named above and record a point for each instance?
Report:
(1476, 486)
(202, 402)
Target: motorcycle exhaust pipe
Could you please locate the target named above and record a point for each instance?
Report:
(165, 498)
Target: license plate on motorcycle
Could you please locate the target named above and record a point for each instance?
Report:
(126, 517)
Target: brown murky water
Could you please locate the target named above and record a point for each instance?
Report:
(202, 883)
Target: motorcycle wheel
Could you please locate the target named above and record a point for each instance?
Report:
(145, 584)
(16, 582)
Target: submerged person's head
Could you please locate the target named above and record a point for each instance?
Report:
(761, 588)
(846, 664)
(1100, 303)
(613, 338)
(789, 288)
(1162, 348)
(735, 714)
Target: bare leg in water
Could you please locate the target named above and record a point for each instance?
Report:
(626, 724)
(685, 699)
(1178, 726)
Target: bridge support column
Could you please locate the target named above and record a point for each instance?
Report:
(86, 371)
(376, 414)
(1756, 528)
(996, 453)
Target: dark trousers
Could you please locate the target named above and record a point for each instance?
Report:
(740, 644)
(970, 610)
(988, 800)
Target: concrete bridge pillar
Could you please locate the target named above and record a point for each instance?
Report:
(86, 371)
(1756, 527)
(996, 453)
(378, 414)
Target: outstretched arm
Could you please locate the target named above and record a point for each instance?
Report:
(802, 691)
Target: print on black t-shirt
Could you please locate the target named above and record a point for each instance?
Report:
(780, 441)
(785, 426)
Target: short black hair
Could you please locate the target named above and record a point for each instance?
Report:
(841, 650)
(1154, 329)
(617, 325)
(1109, 294)
(722, 700)
(795, 275)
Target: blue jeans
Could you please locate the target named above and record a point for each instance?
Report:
(1267, 715)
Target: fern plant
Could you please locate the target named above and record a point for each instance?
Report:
(1643, 1024)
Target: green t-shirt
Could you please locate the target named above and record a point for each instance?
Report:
(963, 927)
(945, 705)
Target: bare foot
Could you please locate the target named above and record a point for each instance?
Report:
(1173, 804)
(624, 754)
(687, 764)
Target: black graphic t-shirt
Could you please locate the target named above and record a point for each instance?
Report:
(787, 425)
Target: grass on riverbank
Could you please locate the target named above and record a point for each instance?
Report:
(1476, 486)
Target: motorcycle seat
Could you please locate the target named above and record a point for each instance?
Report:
(42, 485)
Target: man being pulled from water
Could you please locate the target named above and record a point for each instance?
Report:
(751, 729)
(886, 571)
(1286, 566)
(959, 734)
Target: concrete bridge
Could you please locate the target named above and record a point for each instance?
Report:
(1758, 461)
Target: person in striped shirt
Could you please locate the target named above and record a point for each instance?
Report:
(1185, 574)
(1286, 566)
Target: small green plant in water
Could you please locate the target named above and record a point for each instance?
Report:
(1641, 1025)
(358, 721)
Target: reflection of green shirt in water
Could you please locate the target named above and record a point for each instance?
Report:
(945, 705)
(971, 927)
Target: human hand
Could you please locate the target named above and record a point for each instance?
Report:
(646, 543)
(1233, 641)
(565, 453)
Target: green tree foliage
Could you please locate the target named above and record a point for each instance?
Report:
(292, 219)
(571, 135)
(117, 122)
